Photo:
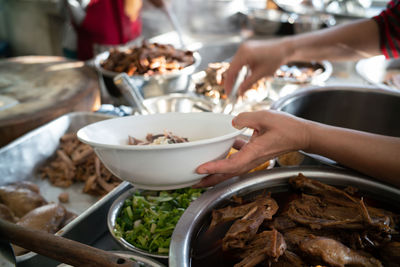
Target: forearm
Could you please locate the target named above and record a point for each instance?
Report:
(345, 42)
(371, 154)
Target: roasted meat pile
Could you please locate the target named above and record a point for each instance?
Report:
(213, 83)
(299, 71)
(21, 203)
(320, 225)
(77, 162)
(148, 59)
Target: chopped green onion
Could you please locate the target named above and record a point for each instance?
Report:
(147, 220)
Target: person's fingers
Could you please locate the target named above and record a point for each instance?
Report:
(239, 143)
(238, 162)
(234, 67)
(253, 120)
(257, 72)
(212, 180)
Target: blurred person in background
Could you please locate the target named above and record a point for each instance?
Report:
(103, 23)
(276, 133)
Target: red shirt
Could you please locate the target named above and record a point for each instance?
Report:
(389, 29)
(107, 24)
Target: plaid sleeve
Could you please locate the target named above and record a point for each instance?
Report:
(389, 29)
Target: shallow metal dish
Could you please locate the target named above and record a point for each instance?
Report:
(275, 180)
(112, 217)
(315, 79)
(20, 161)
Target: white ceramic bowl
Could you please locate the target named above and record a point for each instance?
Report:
(161, 167)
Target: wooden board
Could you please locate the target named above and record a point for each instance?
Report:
(45, 87)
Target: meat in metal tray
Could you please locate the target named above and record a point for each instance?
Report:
(20, 161)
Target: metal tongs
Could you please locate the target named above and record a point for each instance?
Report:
(230, 102)
(131, 92)
(174, 22)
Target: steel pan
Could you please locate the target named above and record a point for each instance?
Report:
(275, 180)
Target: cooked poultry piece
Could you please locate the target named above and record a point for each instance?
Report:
(6, 213)
(230, 213)
(289, 259)
(319, 226)
(21, 198)
(244, 229)
(46, 218)
(335, 253)
(391, 254)
(265, 245)
(321, 213)
(339, 197)
(281, 222)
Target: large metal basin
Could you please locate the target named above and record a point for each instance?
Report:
(369, 109)
(275, 180)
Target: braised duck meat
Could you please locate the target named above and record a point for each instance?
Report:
(390, 254)
(48, 218)
(320, 225)
(21, 198)
(231, 213)
(281, 223)
(318, 213)
(244, 229)
(267, 245)
(6, 213)
(335, 253)
(289, 259)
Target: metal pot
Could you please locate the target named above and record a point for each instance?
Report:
(367, 108)
(275, 180)
(150, 86)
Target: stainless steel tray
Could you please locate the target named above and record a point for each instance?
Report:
(20, 160)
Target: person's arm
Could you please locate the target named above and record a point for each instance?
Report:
(277, 133)
(346, 42)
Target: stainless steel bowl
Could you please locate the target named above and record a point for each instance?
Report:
(111, 219)
(366, 108)
(276, 180)
(369, 109)
(150, 86)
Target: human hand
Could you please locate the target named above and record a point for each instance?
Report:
(262, 57)
(275, 133)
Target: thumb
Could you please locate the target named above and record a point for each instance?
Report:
(251, 120)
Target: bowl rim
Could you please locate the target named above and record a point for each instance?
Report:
(212, 140)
